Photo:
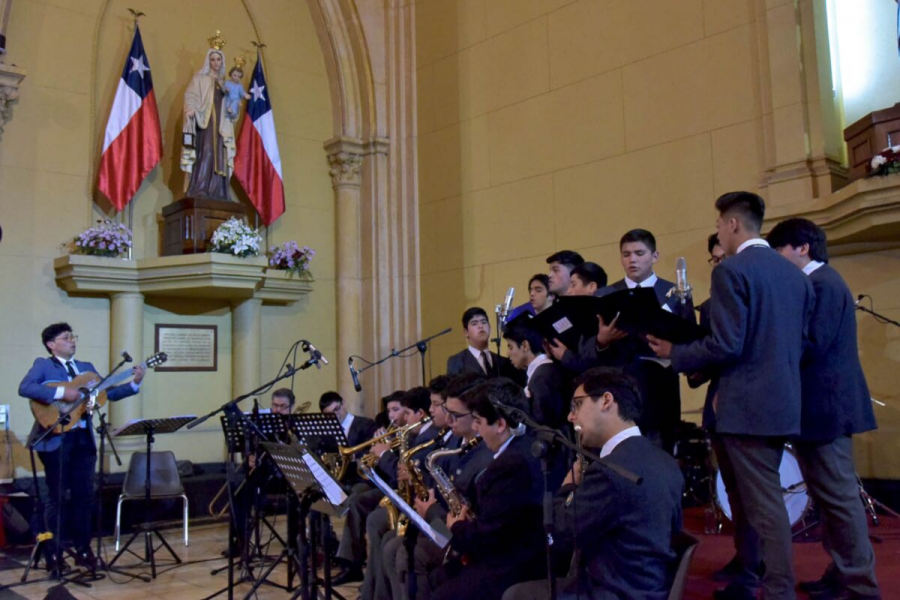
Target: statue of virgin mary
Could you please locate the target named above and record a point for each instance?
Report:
(207, 155)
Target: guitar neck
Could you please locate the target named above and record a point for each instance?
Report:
(116, 379)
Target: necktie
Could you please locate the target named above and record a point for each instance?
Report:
(485, 364)
(68, 365)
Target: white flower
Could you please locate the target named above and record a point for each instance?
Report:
(878, 160)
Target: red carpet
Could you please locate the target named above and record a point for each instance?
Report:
(810, 559)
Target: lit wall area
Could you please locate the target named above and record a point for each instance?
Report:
(73, 54)
(560, 124)
(863, 37)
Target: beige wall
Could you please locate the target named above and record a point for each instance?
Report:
(73, 53)
(551, 124)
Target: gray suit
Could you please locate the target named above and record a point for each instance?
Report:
(759, 315)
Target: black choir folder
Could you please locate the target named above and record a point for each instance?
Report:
(572, 318)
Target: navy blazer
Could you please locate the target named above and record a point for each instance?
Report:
(507, 532)
(835, 397)
(623, 532)
(362, 429)
(760, 309)
(549, 396)
(463, 362)
(48, 370)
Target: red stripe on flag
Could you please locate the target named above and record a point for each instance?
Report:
(132, 155)
(257, 175)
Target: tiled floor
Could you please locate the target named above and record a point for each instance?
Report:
(190, 580)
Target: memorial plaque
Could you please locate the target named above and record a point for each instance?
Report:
(189, 347)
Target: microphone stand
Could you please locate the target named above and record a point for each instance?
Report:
(878, 317)
(231, 410)
(421, 346)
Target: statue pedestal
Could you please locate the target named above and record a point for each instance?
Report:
(191, 222)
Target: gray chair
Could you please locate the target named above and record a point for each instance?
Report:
(684, 545)
(164, 483)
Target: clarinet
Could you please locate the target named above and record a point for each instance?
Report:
(455, 500)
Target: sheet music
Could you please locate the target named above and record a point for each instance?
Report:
(332, 490)
(423, 526)
(664, 362)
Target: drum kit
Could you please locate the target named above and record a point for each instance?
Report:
(704, 485)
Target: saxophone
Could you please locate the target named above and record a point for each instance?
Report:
(404, 489)
(415, 487)
(454, 498)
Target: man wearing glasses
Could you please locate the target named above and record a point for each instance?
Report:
(622, 531)
(68, 458)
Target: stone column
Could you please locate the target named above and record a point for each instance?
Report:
(246, 336)
(126, 332)
(345, 158)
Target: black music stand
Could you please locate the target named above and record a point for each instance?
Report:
(320, 432)
(318, 493)
(148, 428)
(238, 434)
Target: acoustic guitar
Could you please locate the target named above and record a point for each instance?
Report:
(89, 384)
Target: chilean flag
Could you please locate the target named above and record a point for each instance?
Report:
(132, 146)
(257, 165)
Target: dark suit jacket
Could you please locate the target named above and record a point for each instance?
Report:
(362, 429)
(463, 473)
(623, 531)
(48, 370)
(659, 386)
(760, 310)
(506, 535)
(463, 362)
(549, 397)
(695, 380)
(835, 397)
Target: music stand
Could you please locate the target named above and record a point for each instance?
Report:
(270, 426)
(317, 491)
(148, 428)
(320, 432)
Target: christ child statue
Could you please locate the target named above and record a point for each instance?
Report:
(234, 92)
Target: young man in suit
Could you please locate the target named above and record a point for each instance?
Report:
(478, 358)
(835, 405)
(416, 404)
(759, 315)
(364, 499)
(462, 471)
(659, 385)
(500, 541)
(546, 387)
(623, 531)
(586, 279)
(745, 564)
(358, 429)
(561, 265)
(68, 458)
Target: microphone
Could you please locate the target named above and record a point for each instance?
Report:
(859, 299)
(510, 294)
(354, 374)
(314, 354)
(682, 287)
(127, 357)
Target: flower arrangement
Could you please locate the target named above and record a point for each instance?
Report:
(106, 239)
(885, 163)
(291, 257)
(235, 237)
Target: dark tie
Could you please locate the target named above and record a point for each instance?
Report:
(485, 364)
(68, 365)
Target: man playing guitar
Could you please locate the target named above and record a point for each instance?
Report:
(68, 457)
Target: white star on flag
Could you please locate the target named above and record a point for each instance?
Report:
(137, 64)
(257, 91)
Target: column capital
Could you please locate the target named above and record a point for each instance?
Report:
(10, 78)
(345, 156)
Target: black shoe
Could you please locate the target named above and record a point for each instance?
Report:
(817, 586)
(55, 568)
(84, 557)
(729, 572)
(348, 575)
(734, 592)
